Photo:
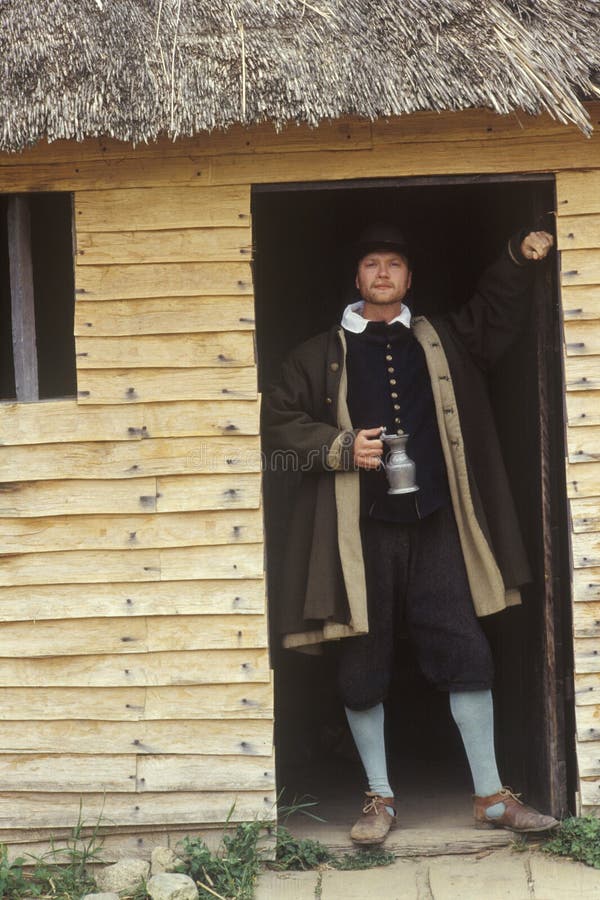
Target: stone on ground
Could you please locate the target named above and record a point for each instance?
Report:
(498, 876)
(286, 886)
(123, 877)
(172, 886)
(96, 897)
(395, 882)
(560, 879)
(163, 860)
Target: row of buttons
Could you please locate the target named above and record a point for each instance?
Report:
(393, 394)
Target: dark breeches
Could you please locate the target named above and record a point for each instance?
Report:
(416, 580)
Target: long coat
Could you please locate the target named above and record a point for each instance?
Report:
(306, 421)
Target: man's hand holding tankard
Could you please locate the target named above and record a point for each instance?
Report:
(368, 449)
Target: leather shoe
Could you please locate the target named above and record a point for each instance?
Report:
(517, 816)
(375, 821)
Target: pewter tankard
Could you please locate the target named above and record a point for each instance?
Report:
(400, 469)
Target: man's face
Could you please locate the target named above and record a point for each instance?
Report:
(383, 278)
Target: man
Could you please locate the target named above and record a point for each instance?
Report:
(362, 561)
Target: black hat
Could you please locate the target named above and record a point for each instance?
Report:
(381, 236)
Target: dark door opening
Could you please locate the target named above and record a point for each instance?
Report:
(303, 280)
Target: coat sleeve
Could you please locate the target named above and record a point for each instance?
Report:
(294, 433)
(496, 313)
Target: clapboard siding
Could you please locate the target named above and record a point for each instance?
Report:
(47, 810)
(116, 386)
(131, 704)
(164, 315)
(177, 667)
(578, 229)
(66, 421)
(132, 594)
(130, 524)
(118, 532)
(162, 494)
(130, 459)
(147, 598)
(176, 245)
(181, 350)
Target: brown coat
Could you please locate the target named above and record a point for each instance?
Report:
(306, 414)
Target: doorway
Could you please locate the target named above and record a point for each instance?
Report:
(303, 280)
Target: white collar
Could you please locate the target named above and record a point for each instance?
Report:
(352, 320)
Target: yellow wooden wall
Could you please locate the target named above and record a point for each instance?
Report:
(579, 238)
(133, 645)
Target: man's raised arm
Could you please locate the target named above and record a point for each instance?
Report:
(493, 318)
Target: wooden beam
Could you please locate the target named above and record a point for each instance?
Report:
(176, 245)
(167, 315)
(581, 338)
(134, 282)
(585, 514)
(583, 408)
(586, 585)
(160, 208)
(578, 232)
(103, 567)
(66, 421)
(582, 373)
(41, 810)
(182, 493)
(91, 773)
(177, 667)
(583, 480)
(137, 531)
(580, 266)
(129, 704)
(218, 349)
(147, 598)
(231, 737)
(201, 773)
(134, 634)
(584, 444)
(22, 299)
(119, 386)
(581, 301)
(131, 459)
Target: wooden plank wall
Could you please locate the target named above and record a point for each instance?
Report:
(578, 195)
(134, 668)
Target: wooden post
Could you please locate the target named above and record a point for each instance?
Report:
(22, 300)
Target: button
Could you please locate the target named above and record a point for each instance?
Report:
(390, 370)
(392, 381)
(397, 420)
(388, 346)
(334, 366)
(393, 395)
(396, 406)
(328, 400)
(389, 358)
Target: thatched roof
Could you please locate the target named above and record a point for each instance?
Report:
(135, 69)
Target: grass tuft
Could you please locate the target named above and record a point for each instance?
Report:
(579, 838)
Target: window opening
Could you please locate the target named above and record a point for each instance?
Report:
(37, 297)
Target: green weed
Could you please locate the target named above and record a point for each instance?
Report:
(60, 874)
(12, 879)
(364, 859)
(298, 855)
(232, 871)
(579, 838)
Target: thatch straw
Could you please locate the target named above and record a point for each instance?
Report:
(135, 69)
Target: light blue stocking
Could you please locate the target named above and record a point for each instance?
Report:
(473, 712)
